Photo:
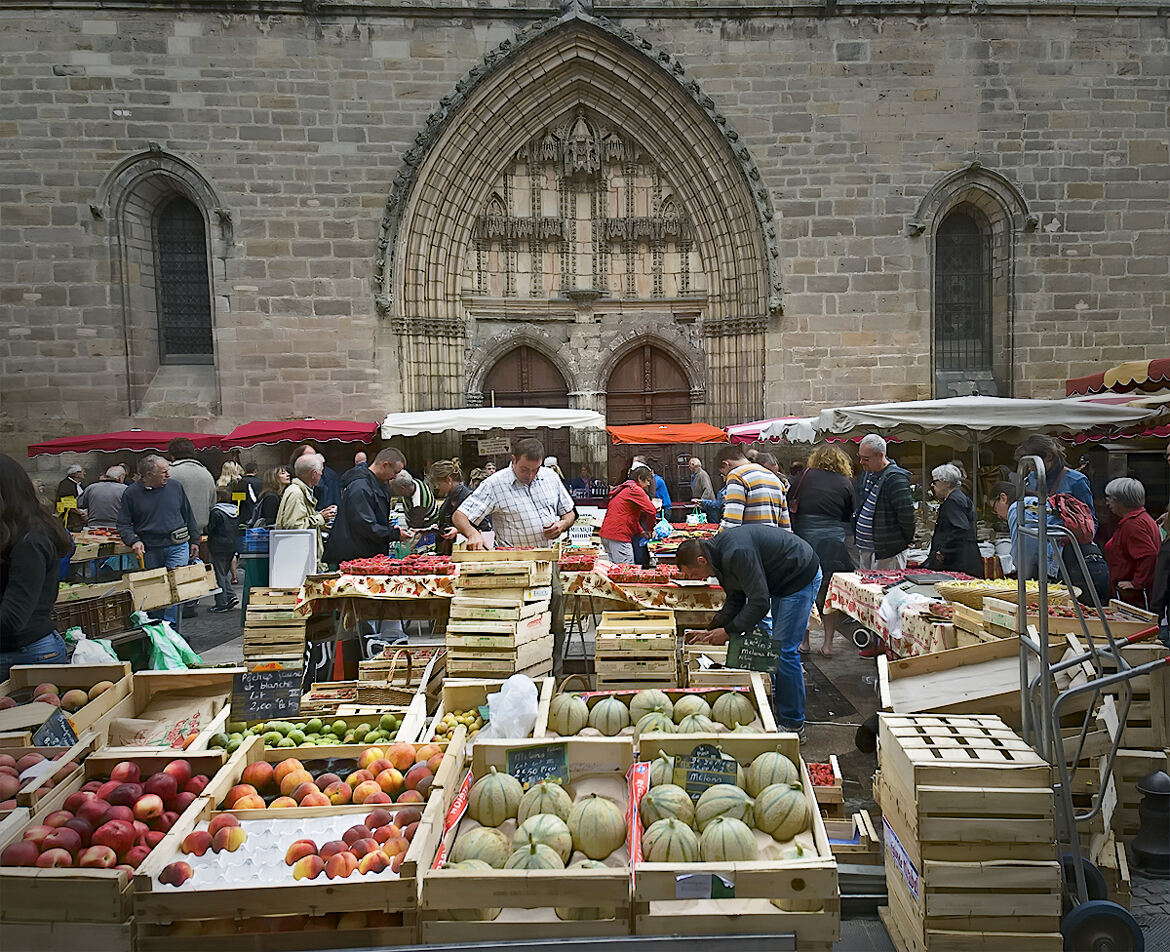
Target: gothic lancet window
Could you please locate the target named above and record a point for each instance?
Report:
(963, 322)
(183, 286)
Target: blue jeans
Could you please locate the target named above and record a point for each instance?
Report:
(170, 557)
(789, 622)
(48, 650)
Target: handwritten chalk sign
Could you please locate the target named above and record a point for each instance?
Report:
(265, 693)
(754, 651)
(55, 732)
(705, 767)
(531, 765)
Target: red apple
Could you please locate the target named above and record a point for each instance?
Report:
(74, 801)
(125, 772)
(140, 830)
(50, 859)
(180, 770)
(119, 813)
(161, 785)
(196, 784)
(36, 834)
(118, 835)
(125, 794)
(20, 853)
(93, 811)
(81, 827)
(148, 807)
(57, 818)
(63, 838)
(136, 855)
(98, 857)
(154, 837)
(107, 788)
(93, 786)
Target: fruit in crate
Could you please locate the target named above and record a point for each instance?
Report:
(696, 724)
(768, 768)
(654, 722)
(313, 732)
(727, 840)
(781, 810)
(597, 825)
(645, 702)
(732, 709)
(690, 704)
(545, 797)
(484, 843)
(670, 840)
(471, 915)
(535, 856)
(568, 714)
(547, 829)
(610, 716)
(661, 770)
(494, 798)
(446, 726)
(585, 913)
(722, 799)
(666, 800)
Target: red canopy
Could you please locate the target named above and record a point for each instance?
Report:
(135, 441)
(298, 431)
(667, 433)
(1146, 375)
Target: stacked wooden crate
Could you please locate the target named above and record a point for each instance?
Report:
(637, 650)
(968, 812)
(499, 620)
(272, 632)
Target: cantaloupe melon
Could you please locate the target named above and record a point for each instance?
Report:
(598, 826)
(609, 715)
(661, 770)
(567, 714)
(670, 841)
(690, 704)
(722, 799)
(584, 913)
(654, 721)
(494, 798)
(548, 829)
(781, 810)
(666, 800)
(484, 843)
(544, 797)
(696, 724)
(768, 768)
(727, 840)
(535, 856)
(644, 702)
(733, 708)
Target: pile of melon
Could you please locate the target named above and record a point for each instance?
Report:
(546, 827)
(753, 819)
(652, 711)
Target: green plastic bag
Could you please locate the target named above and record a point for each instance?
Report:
(169, 650)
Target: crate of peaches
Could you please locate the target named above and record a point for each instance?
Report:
(276, 837)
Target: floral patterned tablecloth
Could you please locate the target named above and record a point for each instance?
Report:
(404, 587)
(679, 598)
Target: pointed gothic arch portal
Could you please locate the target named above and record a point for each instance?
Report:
(524, 377)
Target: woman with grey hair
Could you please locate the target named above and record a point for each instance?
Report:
(1132, 552)
(953, 547)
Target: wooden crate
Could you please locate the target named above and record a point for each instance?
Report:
(639, 622)
(696, 676)
(855, 840)
(1128, 769)
(1003, 614)
(1107, 853)
(67, 936)
(806, 884)
(469, 694)
(755, 691)
(528, 897)
(485, 576)
(404, 666)
(1147, 725)
(831, 797)
(471, 608)
(469, 663)
(35, 792)
(189, 582)
(150, 589)
(496, 636)
(170, 917)
(968, 619)
(637, 649)
(78, 895)
(546, 554)
(22, 679)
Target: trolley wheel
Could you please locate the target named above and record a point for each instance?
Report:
(862, 637)
(1101, 926)
(1094, 882)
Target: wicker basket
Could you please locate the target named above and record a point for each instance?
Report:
(98, 617)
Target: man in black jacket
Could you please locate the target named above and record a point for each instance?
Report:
(762, 569)
(362, 528)
(883, 525)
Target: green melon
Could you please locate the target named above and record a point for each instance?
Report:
(670, 841)
(655, 721)
(471, 915)
(583, 913)
(723, 799)
(690, 704)
(547, 829)
(598, 826)
(484, 843)
(661, 770)
(567, 714)
(732, 709)
(696, 724)
(535, 856)
(666, 800)
(494, 798)
(744, 729)
(768, 768)
(544, 797)
(727, 840)
(646, 701)
(781, 810)
(609, 715)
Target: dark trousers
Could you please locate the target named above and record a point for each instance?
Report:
(221, 561)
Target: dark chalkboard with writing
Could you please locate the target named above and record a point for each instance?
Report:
(754, 651)
(55, 732)
(705, 767)
(263, 694)
(531, 765)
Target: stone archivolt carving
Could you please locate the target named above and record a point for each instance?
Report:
(583, 211)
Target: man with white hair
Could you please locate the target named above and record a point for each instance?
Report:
(701, 487)
(883, 525)
(71, 486)
(298, 504)
(101, 500)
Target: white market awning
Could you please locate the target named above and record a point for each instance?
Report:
(488, 418)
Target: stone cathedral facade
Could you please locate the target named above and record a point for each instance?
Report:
(211, 214)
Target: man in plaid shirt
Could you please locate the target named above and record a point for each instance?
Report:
(529, 506)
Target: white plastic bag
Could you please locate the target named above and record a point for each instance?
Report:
(89, 650)
(512, 709)
(890, 609)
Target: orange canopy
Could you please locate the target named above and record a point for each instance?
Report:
(667, 433)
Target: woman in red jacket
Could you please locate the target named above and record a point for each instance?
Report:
(1133, 549)
(630, 514)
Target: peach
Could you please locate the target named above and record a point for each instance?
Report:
(323, 780)
(407, 815)
(390, 781)
(125, 868)
(97, 857)
(384, 833)
(239, 790)
(74, 700)
(369, 755)
(28, 760)
(125, 794)
(434, 762)
(396, 862)
(425, 752)
(286, 767)
(148, 807)
(338, 793)
(119, 813)
(163, 822)
(118, 835)
(9, 771)
(380, 797)
(6, 805)
(259, 774)
(411, 796)
(50, 859)
(162, 786)
(82, 828)
(36, 834)
(8, 786)
(355, 833)
(401, 755)
(180, 770)
(47, 699)
(230, 838)
(373, 862)
(415, 774)
(57, 818)
(107, 788)
(282, 803)
(21, 853)
(316, 800)
(197, 842)
(308, 867)
(332, 847)
(180, 801)
(365, 790)
(298, 849)
(409, 831)
(6, 703)
(7, 760)
(196, 784)
(125, 771)
(377, 818)
(93, 810)
(253, 801)
(293, 779)
(98, 689)
(379, 765)
(358, 777)
(74, 801)
(303, 790)
(63, 838)
(93, 786)
(424, 787)
(395, 845)
(341, 865)
(136, 855)
(67, 767)
(176, 874)
(45, 687)
(221, 820)
(154, 837)
(360, 848)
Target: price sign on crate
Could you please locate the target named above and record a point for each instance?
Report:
(55, 732)
(265, 692)
(531, 765)
(705, 767)
(753, 650)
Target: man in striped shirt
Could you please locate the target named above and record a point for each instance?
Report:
(755, 496)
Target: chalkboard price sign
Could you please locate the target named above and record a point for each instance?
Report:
(753, 650)
(265, 693)
(55, 732)
(531, 765)
(705, 767)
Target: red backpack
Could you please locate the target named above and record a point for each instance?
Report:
(1076, 516)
